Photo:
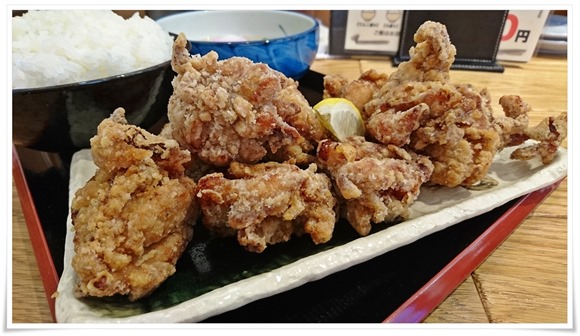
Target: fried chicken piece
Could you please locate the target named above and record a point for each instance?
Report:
(515, 130)
(268, 203)
(237, 110)
(393, 127)
(514, 122)
(430, 60)
(134, 218)
(376, 183)
(459, 132)
(550, 133)
(359, 91)
(450, 124)
(456, 128)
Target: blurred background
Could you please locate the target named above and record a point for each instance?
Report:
(322, 15)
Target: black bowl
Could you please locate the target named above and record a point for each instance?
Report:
(64, 118)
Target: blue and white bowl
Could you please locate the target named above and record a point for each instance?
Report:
(286, 41)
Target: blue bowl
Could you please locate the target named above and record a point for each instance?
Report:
(286, 41)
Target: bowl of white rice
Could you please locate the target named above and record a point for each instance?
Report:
(72, 68)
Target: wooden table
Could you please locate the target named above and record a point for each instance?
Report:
(525, 280)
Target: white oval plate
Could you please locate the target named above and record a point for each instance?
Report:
(435, 210)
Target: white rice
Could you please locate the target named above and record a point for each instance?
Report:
(68, 46)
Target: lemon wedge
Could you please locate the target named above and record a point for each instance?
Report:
(340, 117)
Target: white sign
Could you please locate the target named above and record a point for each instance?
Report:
(373, 30)
(521, 34)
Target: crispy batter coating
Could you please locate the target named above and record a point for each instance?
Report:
(268, 203)
(453, 124)
(375, 182)
(430, 59)
(134, 218)
(549, 133)
(237, 110)
(359, 91)
(395, 127)
(513, 123)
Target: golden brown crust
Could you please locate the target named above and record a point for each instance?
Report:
(374, 182)
(134, 218)
(359, 91)
(237, 110)
(420, 109)
(268, 203)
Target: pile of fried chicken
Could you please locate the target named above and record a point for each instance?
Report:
(245, 153)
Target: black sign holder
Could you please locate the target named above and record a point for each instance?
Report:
(476, 35)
